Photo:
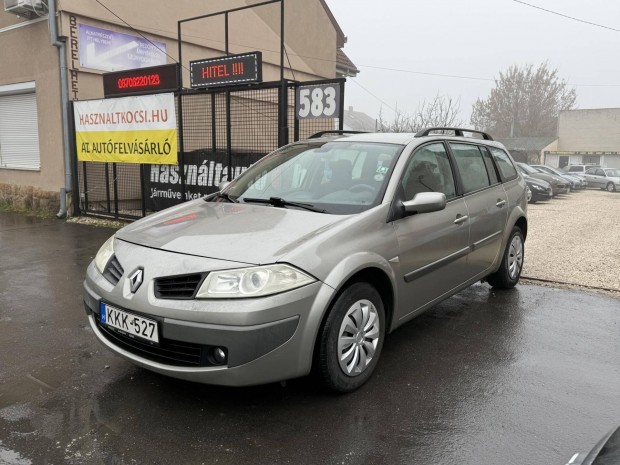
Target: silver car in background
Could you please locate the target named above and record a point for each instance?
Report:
(309, 258)
(604, 178)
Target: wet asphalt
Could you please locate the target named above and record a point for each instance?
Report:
(527, 376)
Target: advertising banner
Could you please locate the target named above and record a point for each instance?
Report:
(127, 130)
(203, 171)
(113, 51)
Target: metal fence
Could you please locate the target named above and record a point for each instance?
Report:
(221, 133)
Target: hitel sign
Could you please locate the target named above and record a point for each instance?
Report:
(229, 70)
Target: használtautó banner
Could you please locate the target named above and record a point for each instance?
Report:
(127, 130)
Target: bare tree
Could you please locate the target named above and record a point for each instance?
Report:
(525, 102)
(441, 111)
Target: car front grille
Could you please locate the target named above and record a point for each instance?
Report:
(168, 352)
(113, 270)
(180, 287)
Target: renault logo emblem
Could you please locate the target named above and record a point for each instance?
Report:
(135, 279)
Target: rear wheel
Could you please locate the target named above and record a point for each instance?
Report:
(509, 272)
(351, 339)
(610, 187)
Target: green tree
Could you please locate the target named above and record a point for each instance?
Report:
(526, 101)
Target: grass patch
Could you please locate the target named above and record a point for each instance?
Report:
(7, 207)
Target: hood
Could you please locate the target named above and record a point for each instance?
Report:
(245, 233)
(537, 182)
(550, 178)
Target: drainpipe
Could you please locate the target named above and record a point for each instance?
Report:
(64, 104)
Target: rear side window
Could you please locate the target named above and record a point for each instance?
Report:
(591, 171)
(472, 167)
(575, 169)
(488, 161)
(506, 168)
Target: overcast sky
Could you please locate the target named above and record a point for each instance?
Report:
(477, 39)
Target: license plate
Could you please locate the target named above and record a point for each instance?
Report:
(129, 323)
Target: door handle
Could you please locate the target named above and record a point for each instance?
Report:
(500, 203)
(460, 219)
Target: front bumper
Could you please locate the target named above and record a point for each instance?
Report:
(266, 339)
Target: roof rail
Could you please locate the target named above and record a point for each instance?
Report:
(335, 131)
(457, 132)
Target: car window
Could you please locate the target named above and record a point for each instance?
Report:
(575, 169)
(591, 171)
(472, 167)
(339, 177)
(599, 172)
(506, 168)
(488, 161)
(614, 173)
(429, 170)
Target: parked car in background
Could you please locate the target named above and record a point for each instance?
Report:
(605, 452)
(558, 185)
(579, 169)
(310, 258)
(575, 181)
(541, 190)
(604, 178)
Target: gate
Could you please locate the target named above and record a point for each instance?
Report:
(221, 133)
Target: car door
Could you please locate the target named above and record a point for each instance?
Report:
(593, 177)
(601, 178)
(486, 201)
(432, 246)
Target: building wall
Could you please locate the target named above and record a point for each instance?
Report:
(589, 130)
(310, 41)
(27, 55)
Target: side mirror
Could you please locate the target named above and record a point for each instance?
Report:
(425, 202)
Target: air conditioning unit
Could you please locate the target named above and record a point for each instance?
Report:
(28, 8)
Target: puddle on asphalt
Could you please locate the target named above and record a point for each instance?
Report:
(10, 457)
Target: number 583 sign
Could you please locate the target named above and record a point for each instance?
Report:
(319, 101)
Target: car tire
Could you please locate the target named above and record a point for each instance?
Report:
(509, 272)
(355, 326)
(610, 187)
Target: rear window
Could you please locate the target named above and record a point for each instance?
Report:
(503, 162)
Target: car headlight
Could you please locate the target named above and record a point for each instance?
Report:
(256, 281)
(105, 252)
(538, 188)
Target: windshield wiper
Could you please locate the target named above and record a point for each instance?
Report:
(280, 202)
(221, 195)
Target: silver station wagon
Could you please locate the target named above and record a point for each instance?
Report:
(310, 257)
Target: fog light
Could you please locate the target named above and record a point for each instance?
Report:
(219, 355)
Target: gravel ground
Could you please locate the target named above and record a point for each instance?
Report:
(575, 239)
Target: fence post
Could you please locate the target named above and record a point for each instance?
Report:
(181, 155)
(283, 114)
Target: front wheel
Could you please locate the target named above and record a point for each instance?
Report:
(509, 272)
(351, 338)
(611, 187)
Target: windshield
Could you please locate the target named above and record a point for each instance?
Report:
(338, 177)
(528, 169)
(550, 169)
(614, 173)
